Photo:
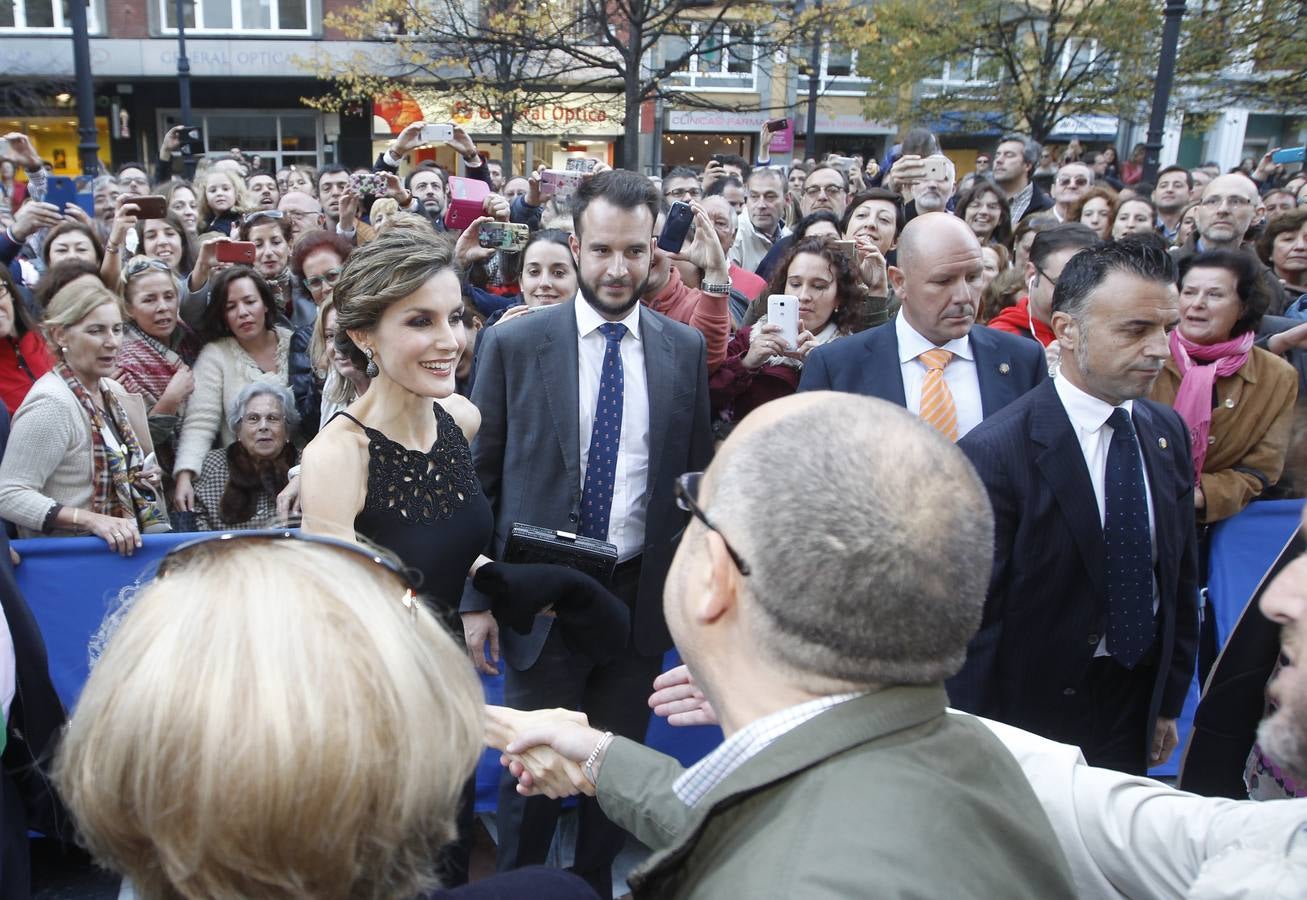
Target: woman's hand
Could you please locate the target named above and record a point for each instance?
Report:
(764, 343)
(288, 501)
(480, 629)
(468, 250)
(124, 220)
(533, 198)
(349, 209)
(75, 212)
(496, 206)
(806, 344)
(122, 535)
(179, 389)
(513, 312)
(184, 494)
(871, 265)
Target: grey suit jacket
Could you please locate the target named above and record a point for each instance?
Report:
(882, 796)
(527, 452)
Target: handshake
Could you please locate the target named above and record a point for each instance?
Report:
(556, 753)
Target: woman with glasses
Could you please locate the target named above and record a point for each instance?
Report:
(79, 457)
(1237, 399)
(1095, 210)
(243, 344)
(24, 356)
(985, 209)
(316, 264)
(238, 484)
(158, 352)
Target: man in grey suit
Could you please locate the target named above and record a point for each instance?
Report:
(820, 618)
(590, 411)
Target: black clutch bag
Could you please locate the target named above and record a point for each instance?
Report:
(532, 544)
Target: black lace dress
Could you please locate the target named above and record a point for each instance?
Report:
(427, 509)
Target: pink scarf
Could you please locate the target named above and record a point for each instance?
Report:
(1194, 399)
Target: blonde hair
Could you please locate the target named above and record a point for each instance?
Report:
(384, 206)
(272, 720)
(240, 203)
(74, 302)
(403, 219)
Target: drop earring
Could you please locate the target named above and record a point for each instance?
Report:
(371, 371)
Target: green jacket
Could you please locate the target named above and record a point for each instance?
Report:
(881, 796)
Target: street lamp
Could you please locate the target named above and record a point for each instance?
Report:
(88, 149)
(1174, 12)
(184, 84)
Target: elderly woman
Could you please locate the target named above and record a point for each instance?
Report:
(316, 263)
(244, 345)
(23, 355)
(1237, 399)
(79, 457)
(339, 777)
(985, 209)
(759, 367)
(238, 485)
(1283, 247)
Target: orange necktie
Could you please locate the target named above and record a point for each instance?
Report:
(937, 407)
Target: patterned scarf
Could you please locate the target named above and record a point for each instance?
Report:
(146, 365)
(1193, 401)
(113, 473)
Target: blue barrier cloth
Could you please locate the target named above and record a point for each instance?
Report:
(1243, 549)
(72, 583)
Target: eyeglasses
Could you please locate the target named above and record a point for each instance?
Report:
(254, 420)
(139, 265)
(327, 277)
(1234, 201)
(177, 555)
(1081, 181)
(678, 193)
(262, 214)
(1042, 274)
(687, 490)
(830, 190)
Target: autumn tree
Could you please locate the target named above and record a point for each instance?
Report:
(1246, 52)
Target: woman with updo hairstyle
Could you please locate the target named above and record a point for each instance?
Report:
(759, 367)
(79, 457)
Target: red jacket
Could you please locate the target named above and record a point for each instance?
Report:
(1018, 320)
(709, 313)
(15, 379)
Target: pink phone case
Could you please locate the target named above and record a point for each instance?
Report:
(467, 197)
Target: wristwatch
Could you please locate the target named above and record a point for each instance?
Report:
(710, 287)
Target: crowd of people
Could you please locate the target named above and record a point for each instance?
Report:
(980, 474)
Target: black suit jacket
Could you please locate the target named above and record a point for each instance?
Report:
(527, 452)
(1047, 604)
(868, 364)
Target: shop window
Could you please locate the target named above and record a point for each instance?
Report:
(283, 16)
(721, 56)
(44, 15)
(280, 138)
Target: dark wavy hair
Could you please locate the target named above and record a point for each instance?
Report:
(1254, 299)
(23, 322)
(65, 227)
(214, 325)
(847, 292)
(187, 262)
(1003, 231)
(1276, 226)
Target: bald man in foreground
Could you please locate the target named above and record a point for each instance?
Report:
(841, 774)
(933, 359)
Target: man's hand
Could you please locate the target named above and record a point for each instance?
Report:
(496, 206)
(32, 217)
(1294, 338)
(905, 172)
(465, 146)
(705, 250)
(533, 197)
(468, 248)
(14, 557)
(712, 173)
(480, 629)
(407, 140)
(1165, 739)
(678, 699)
(1265, 166)
(21, 152)
(504, 724)
(124, 220)
(171, 143)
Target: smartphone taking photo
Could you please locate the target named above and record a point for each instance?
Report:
(676, 227)
(783, 310)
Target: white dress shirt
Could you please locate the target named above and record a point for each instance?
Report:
(630, 482)
(1089, 417)
(960, 374)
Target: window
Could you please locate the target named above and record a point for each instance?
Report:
(839, 68)
(283, 16)
(725, 57)
(44, 15)
(968, 70)
(284, 138)
(1079, 57)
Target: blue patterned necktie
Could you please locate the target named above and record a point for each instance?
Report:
(605, 437)
(1130, 625)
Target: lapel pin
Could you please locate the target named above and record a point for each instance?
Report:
(1004, 368)
(1161, 442)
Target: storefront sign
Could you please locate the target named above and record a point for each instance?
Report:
(712, 120)
(570, 114)
(128, 58)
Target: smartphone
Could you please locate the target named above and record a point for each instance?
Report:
(151, 206)
(507, 236)
(936, 168)
(676, 228)
(582, 164)
(1289, 155)
(192, 141)
(850, 251)
(60, 190)
(560, 183)
(840, 162)
(240, 252)
(4, 147)
(437, 134)
(777, 124)
(467, 198)
(371, 183)
(783, 310)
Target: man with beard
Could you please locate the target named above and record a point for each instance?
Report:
(932, 358)
(590, 411)
(1091, 625)
(263, 191)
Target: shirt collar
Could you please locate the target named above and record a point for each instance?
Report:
(1087, 413)
(588, 320)
(912, 344)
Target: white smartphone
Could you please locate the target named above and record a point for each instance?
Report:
(783, 310)
(4, 147)
(936, 168)
(437, 134)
